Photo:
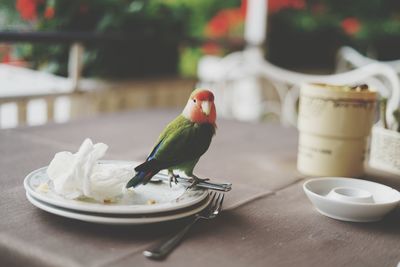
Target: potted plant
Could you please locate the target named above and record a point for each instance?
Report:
(305, 34)
(149, 33)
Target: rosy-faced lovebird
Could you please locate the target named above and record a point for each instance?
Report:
(182, 142)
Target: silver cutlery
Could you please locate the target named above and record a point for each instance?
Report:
(162, 249)
(224, 187)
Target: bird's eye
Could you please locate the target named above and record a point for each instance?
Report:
(194, 100)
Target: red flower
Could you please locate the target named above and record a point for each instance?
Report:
(243, 8)
(83, 8)
(318, 8)
(27, 9)
(49, 12)
(6, 58)
(217, 27)
(351, 25)
(211, 48)
(225, 20)
(276, 5)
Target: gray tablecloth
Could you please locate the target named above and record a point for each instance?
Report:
(267, 220)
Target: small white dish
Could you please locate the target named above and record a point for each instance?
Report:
(349, 199)
(133, 202)
(115, 220)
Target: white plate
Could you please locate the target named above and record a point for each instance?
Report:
(133, 202)
(362, 201)
(115, 220)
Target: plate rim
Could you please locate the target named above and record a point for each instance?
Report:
(111, 220)
(122, 209)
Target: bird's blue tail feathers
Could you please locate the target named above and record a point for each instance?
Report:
(141, 177)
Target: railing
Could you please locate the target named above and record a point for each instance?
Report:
(100, 96)
(22, 105)
(107, 97)
(75, 65)
(93, 96)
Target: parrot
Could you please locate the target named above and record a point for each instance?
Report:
(183, 141)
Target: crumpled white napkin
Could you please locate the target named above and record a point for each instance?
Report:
(80, 174)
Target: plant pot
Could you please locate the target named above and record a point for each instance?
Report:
(291, 48)
(385, 150)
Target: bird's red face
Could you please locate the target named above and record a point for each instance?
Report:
(200, 107)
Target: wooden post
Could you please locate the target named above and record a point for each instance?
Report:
(75, 64)
(50, 108)
(22, 111)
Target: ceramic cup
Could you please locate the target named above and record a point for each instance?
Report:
(334, 124)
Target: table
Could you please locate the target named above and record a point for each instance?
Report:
(267, 219)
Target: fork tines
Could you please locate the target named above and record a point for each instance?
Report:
(215, 205)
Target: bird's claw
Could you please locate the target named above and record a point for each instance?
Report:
(196, 180)
(174, 178)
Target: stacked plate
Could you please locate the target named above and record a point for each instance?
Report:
(155, 202)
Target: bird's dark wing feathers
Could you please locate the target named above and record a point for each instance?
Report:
(154, 151)
(188, 145)
(151, 162)
(179, 149)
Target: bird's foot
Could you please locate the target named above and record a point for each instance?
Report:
(195, 180)
(173, 178)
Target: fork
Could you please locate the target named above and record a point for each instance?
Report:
(162, 249)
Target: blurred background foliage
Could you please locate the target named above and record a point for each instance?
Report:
(307, 33)
(169, 36)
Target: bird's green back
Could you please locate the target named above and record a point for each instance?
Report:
(183, 140)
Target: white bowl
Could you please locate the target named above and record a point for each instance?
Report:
(349, 199)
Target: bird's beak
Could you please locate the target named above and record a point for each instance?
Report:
(206, 107)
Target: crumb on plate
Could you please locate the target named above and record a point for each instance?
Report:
(151, 202)
(43, 187)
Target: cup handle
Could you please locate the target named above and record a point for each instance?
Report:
(290, 107)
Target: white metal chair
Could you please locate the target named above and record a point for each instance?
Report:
(224, 75)
(349, 58)
(237, 78)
